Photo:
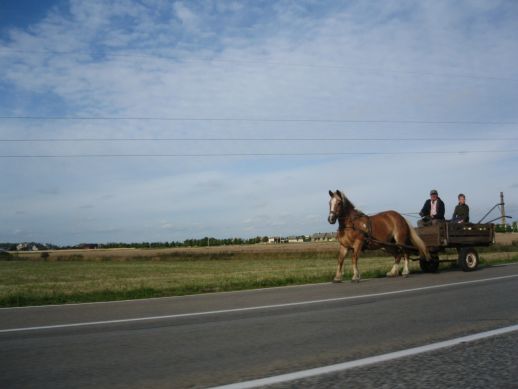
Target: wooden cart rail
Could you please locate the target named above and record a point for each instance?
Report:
(442, 235)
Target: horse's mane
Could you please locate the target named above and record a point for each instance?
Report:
(348, 205)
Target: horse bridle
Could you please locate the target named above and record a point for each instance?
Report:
(342, 210)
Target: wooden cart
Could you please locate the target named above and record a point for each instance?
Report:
(464, 237)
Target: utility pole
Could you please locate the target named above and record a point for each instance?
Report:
(502, 209)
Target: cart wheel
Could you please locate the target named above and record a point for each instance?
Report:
(468, 259)
(429, 266)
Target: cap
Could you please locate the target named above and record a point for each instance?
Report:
(433, 192)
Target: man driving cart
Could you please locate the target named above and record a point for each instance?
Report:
(433, 209)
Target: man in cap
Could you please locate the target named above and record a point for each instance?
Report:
(461, 213)
(433, 208)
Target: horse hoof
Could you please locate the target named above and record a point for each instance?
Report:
(355, 281)
(405, 275)
(335, 281)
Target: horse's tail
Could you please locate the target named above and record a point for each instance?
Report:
(418, 242)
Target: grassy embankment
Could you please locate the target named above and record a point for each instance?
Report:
(102, 275)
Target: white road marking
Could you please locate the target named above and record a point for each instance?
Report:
(366, 361)
(256, 308)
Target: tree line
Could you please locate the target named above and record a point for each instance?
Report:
(507, 227)
(203, 242)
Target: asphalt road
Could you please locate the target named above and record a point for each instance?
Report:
(488, 363)
(209, 340)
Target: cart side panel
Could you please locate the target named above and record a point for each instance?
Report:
(433, 235)
(470, 234)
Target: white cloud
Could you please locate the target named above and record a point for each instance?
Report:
(188, 18)
(396, 61)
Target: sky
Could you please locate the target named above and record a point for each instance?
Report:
(154, 120)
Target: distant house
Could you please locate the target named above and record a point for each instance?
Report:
(21, 247)
(277, 239)
(289, 239)
(30, 247)
(324, 237)
(26, 247)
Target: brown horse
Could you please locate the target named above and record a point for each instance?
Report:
(357, 232)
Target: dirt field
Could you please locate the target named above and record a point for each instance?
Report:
(327, 247)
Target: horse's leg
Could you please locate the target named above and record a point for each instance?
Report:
(357, 247)
(400, 236)
(406, 272)
(340, 266)
(394, 272)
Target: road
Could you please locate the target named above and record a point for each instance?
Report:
(225, 338)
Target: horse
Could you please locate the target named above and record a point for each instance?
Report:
(386, 230)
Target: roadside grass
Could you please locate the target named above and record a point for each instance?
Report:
(60, 279)
(487, 259)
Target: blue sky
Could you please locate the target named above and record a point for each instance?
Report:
(294, 76)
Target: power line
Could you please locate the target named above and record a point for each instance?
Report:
(251, 119)
(49, 140)
(226, 155)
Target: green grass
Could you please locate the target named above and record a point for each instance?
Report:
(72, 279)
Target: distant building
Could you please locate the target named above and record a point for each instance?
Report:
(29, 246)
(324, 237)
(289, 239)
(277, 239)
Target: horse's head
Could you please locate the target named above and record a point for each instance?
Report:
(338, 205)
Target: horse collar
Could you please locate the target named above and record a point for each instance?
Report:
(365, 227)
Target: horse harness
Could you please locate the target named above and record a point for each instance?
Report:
(365, 228)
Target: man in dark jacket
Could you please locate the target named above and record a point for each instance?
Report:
(461, 213)
(433, 208)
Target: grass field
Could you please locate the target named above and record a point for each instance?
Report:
(102, 275)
